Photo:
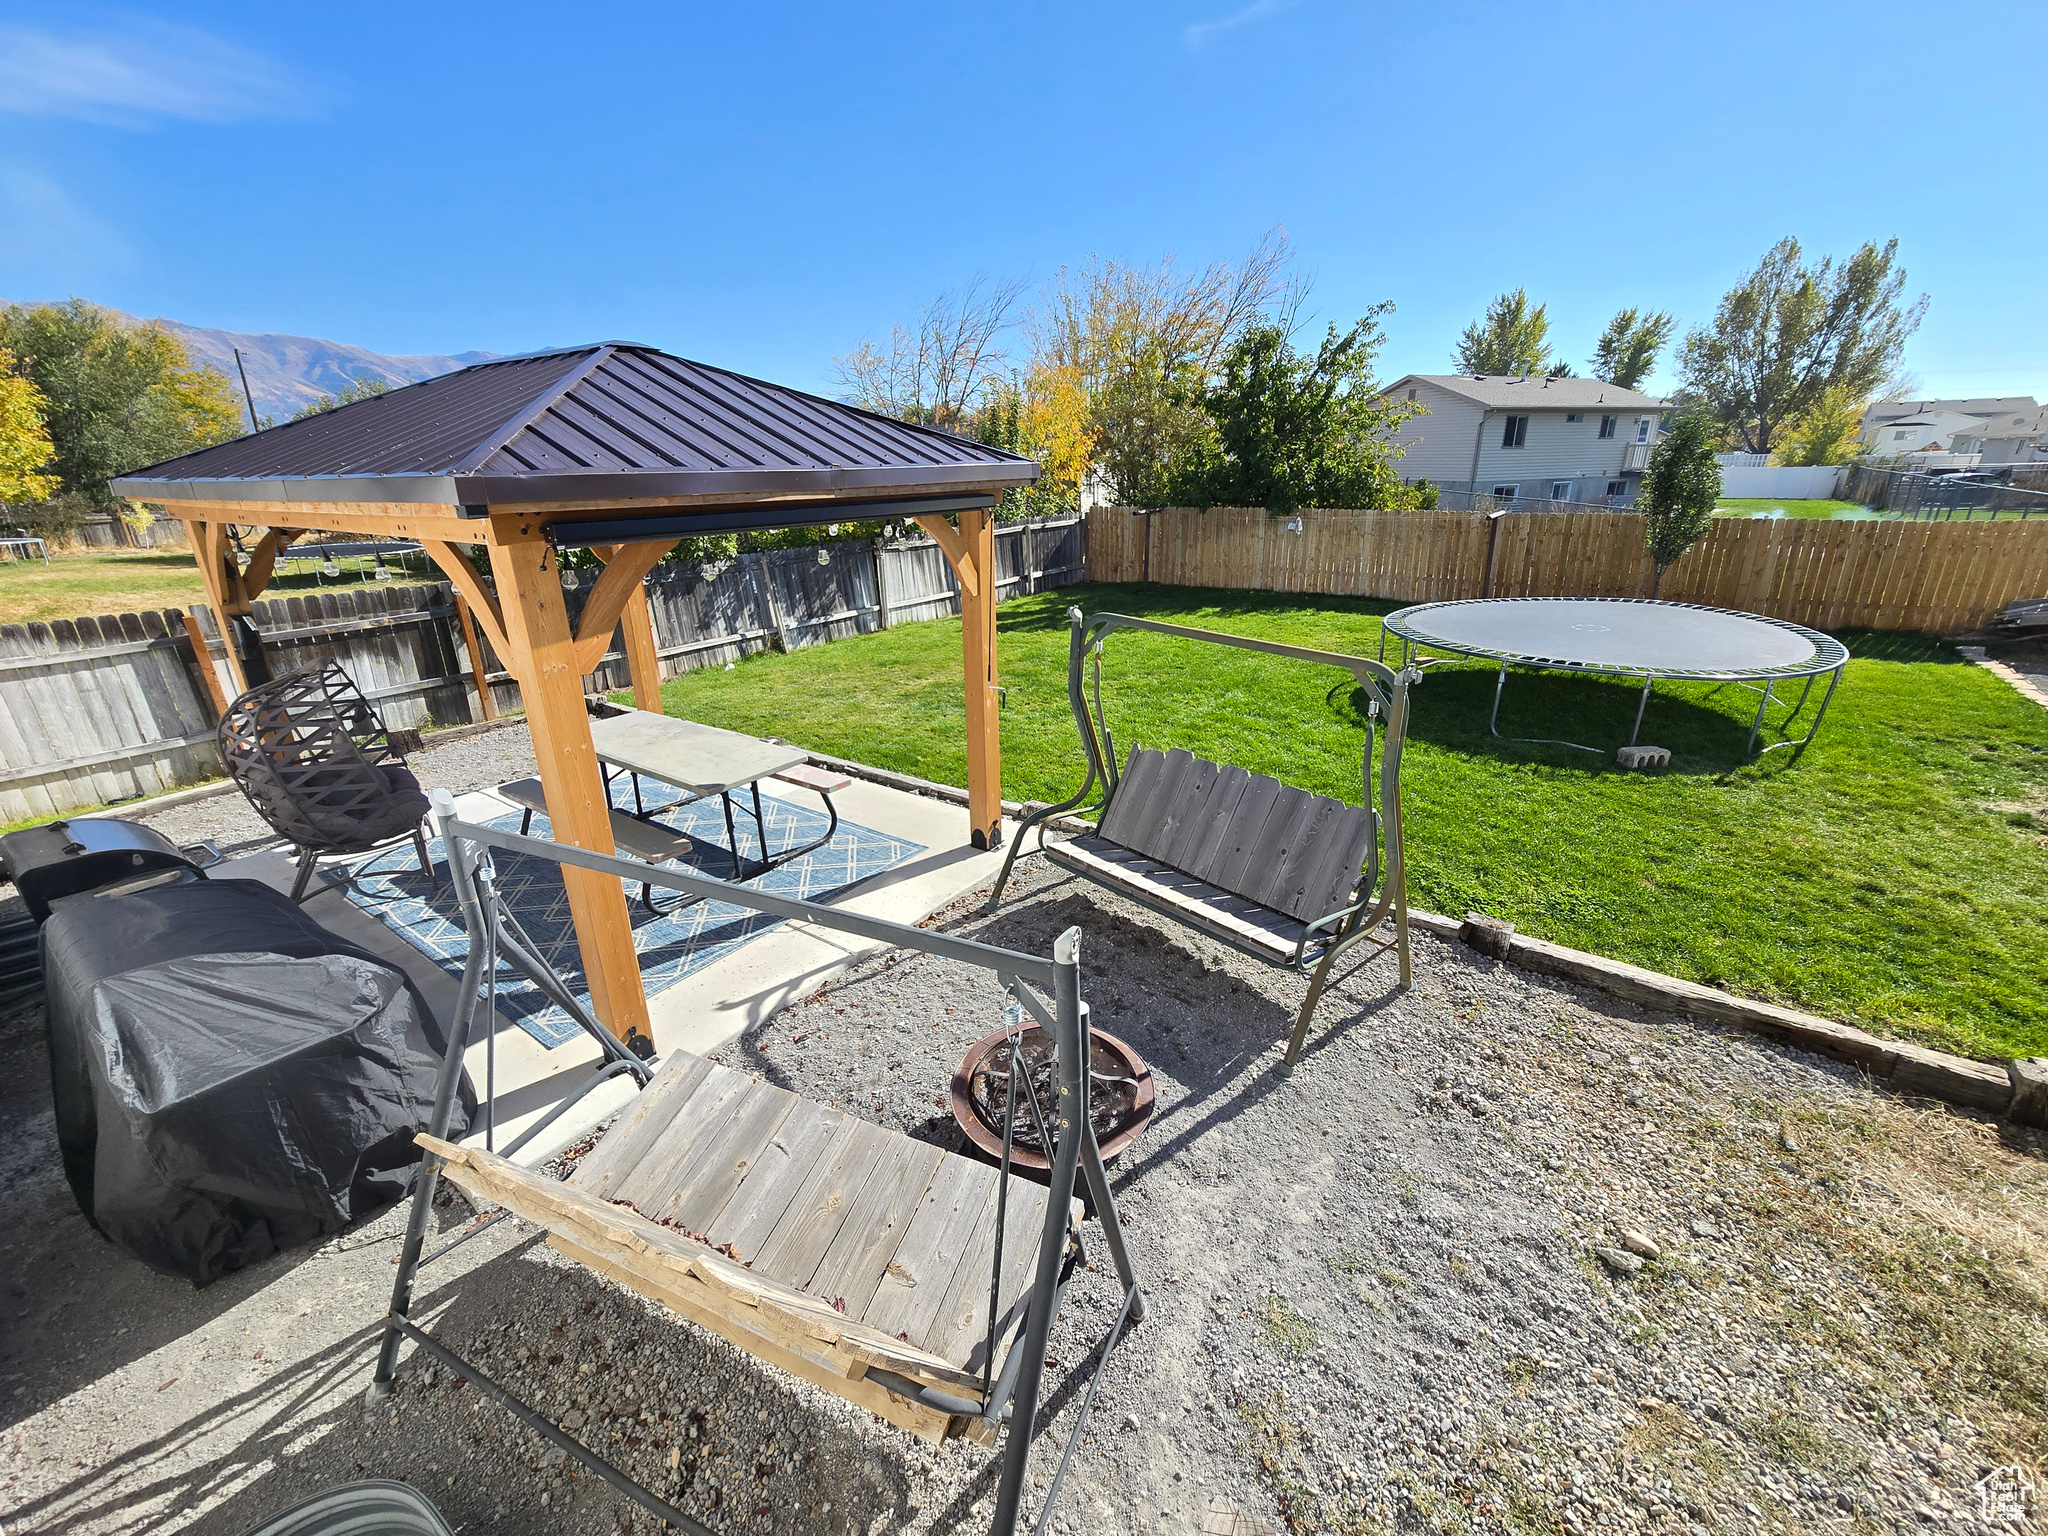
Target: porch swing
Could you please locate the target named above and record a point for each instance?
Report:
(1292, 879)
(880, 1268)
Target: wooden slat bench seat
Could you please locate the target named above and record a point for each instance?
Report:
(858, 1248)
(1274, 871)
(1240, 854)
(1275, 935)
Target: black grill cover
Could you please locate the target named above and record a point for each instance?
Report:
(231, 1079)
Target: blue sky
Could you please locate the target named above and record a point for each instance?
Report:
(761, 187)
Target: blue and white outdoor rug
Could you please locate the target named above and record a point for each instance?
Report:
(390, 887)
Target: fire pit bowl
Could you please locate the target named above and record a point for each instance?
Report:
(1120, 1094)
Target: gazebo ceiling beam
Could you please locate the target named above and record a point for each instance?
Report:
(387, 519)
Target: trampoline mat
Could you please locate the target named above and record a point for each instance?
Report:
(1622, 635)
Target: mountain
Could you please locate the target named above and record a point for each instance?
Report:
(289, 372)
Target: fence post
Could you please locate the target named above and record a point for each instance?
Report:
(764, 586)
(477, 674)
(1492, 549)
(202, 654)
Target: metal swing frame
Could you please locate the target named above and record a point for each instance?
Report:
(1046, 988)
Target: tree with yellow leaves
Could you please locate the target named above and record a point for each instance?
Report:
(1830, 431)
(25, 447)
(115, 397)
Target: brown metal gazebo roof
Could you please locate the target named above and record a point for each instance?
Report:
(596, 424)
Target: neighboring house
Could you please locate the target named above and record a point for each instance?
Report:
(1894, 428)
(2016, 437)
(1526, 437)
(1922, 432)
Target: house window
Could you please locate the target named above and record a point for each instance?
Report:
(1514, 431)
(1900, 437)
(1560, 490)
(1411, 394)
(1617, 487)
(1607, 425)
(1574, 417)
(1642, 429)
(1505, 492)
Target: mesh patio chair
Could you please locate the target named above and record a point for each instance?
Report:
(318, 764)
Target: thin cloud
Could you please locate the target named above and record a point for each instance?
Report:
(142, 72)
(1259, 10)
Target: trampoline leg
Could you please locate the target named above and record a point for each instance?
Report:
(1641, 704)
(1493, 720)
(1819, 714)
(1757, 724)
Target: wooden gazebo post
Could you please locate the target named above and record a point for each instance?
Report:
(971, 552)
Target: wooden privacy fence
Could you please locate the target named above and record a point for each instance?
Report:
(99, 710)
(1942, 578)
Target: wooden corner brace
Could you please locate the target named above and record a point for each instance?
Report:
(626, 566)
(483, 603)
(958, 555)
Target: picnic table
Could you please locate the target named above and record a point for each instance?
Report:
(701, 761)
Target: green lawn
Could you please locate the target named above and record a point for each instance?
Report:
(1769, 508)
(1895, 877)
(130, 580)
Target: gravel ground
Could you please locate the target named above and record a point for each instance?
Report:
(1502, 1256)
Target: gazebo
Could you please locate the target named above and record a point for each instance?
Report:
(621, 449)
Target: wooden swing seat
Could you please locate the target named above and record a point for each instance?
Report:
(860, 1249)
(1239, 855)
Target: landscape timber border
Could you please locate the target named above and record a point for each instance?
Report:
(2017, 1090)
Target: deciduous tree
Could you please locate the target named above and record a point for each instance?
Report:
(1680, 488)
(939, 369)
(1299, 429)
(25, 448)
(362, 387)
(1627, 349)
(1830, 432)
(1143, 342)
(1789, 332)
(1510, 338)
(116, 397)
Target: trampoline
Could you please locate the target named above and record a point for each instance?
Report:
(1630, 637)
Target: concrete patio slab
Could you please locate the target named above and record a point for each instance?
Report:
(705, 1009)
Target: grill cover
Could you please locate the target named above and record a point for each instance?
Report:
(230, 1078)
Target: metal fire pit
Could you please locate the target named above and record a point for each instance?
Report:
(1119, 1094)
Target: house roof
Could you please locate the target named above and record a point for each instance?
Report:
(609, 421)
(1533, 392)
(2022, 424)
(1886, 412)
